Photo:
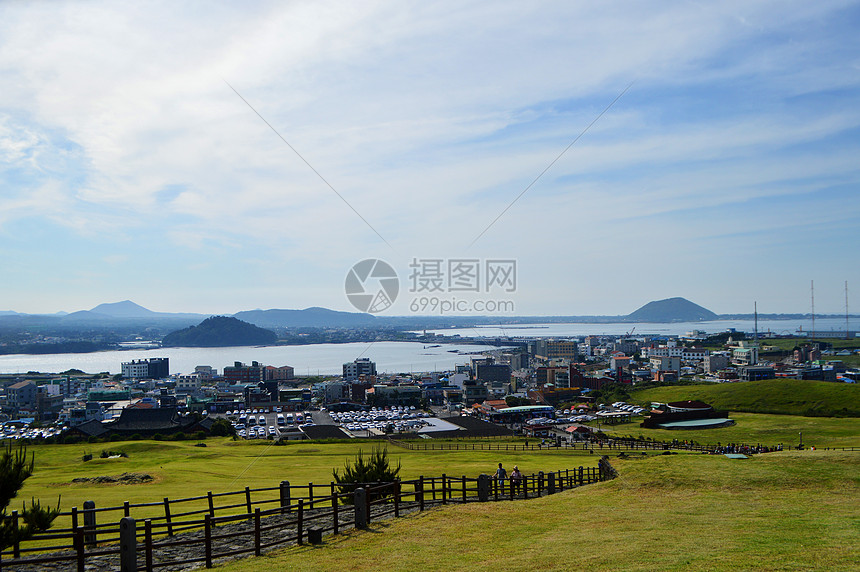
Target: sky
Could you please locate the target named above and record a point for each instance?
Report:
(222, 156)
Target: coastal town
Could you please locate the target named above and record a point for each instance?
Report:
(541, 387)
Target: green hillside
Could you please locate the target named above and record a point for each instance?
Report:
(778, 396)
(780, 511)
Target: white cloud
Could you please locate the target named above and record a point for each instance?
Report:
(428, 118)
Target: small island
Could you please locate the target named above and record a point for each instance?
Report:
(219, 331)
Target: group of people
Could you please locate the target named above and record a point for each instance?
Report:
(516, 477)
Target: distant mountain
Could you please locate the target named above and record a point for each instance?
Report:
(671, 310)
(219, 331)
(8, 313)
(307, 318)
(124, 309)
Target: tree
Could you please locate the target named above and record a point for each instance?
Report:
(374, 469)
(222, 428)
(14, 470)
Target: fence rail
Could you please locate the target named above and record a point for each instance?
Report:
(287, 514)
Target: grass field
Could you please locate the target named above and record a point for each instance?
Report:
(790, 343)
(183, 470)
(779, 396)
(753, 428)
(780, 511)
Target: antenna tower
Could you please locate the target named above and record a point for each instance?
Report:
(755, 313)
(812, 295)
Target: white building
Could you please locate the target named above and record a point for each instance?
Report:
(361, 366)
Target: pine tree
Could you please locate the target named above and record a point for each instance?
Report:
(14, 470)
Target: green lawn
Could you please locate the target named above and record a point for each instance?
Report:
(781, 511)
(753, 428)
(183, 470)
(789, 344)
(780, 396)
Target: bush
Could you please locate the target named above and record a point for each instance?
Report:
(136, 437)
(115, 437)
(179, 436)
(374, 469)
(158, 437)
(222, 428)
(200, 444)
(87, 457)
(200, 435)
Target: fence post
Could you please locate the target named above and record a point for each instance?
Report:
(580, 475)
(396, 498)
(126, 508)
(444, 488)
(248, 501)
(167, 516)
(90, 522)
(211, 504)
(550, 489)
(310, 495)
(16, 549)
(483, 487)
(421, 493)
(79, 549)
(127, 545)
(74, 519)
(300, 517)
(208, 540)
(334, 508)
(359, 500)
(285, 496)
(540, 483)
(464, 489)
(147, 539)
(257, 532)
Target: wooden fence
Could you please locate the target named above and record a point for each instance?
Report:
(169, 534)
(599, 445)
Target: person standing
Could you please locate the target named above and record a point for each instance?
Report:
(501, 474)
(516, 479)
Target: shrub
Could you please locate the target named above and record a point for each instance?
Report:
(136, 437)
(179, 436)
(87, 457)
(200, 435)
(14, 470)
(158, 437)
(374, 469)
(115, 437)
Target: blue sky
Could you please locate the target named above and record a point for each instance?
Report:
(728, 173)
